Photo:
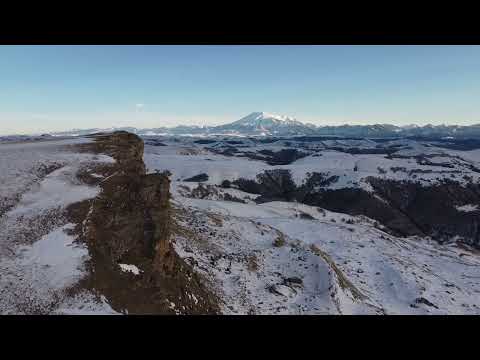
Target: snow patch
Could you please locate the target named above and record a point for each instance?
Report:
(467, 208)
(56, 258)
(130, 268)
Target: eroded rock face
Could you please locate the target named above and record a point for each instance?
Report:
(130, 217)
(130, 223)
(156, 196)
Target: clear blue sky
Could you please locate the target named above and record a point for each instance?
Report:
(44, 88)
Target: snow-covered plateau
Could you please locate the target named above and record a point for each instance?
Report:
(271, 225)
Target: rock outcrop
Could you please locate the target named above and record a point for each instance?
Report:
(129, 223)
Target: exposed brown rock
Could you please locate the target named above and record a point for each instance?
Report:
(129, 223)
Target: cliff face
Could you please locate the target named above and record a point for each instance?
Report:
(129, 223)
(130, 217)
(157, 221)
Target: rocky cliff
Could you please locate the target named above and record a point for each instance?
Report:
(129, 224)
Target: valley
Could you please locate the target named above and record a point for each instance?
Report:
(326, 233)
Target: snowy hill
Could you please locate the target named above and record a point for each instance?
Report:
(308, 226)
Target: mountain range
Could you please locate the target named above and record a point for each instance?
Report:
(266, 124)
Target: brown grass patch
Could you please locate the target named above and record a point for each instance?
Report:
(252, 263)
(342, 279)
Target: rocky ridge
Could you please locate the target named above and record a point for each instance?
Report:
(128, 227)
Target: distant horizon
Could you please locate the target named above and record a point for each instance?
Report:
(58, 88)
(171, 126)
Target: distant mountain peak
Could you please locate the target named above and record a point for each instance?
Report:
(267, 115)
(263, 123)
(261, 118)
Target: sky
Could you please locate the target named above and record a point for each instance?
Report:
(53, 88)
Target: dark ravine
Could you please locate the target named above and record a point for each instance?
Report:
(130, 223)
(433, 208)
(404, 208)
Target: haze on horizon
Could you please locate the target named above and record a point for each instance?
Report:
(54, 88)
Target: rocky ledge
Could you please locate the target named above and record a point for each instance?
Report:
(127, 229)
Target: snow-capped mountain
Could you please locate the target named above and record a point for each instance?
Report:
(265, 120)
(267, 124)
(262, 123)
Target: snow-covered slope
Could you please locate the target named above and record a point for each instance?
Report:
(268, 244)
(281, 257)
(274, 259)
(39, 256)
(398, 160)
